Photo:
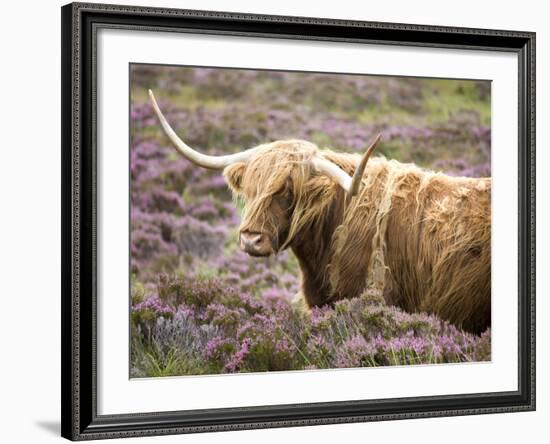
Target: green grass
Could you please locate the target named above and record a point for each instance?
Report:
(442, 99)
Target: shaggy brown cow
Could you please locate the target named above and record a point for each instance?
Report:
(422, 237)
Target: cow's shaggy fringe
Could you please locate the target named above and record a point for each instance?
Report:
(422, 237)
(281, 169)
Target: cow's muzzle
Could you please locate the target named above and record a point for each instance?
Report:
(255, 244)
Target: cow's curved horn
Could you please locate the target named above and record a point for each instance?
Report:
(203, 160)
(358, 175)
(332, 170)
(349, 184)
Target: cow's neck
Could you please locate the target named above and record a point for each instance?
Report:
(312, 249)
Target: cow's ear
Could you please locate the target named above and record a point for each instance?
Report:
(234, 174)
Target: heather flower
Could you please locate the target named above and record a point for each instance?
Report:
(156, 305)
(218, 349)
(145, 314)
(237, 360)
(192, 292)
(354, 352)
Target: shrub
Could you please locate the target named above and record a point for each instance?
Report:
(218, 329)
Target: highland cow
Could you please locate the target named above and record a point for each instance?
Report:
(423, 238)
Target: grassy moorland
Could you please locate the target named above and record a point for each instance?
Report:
(199, 305)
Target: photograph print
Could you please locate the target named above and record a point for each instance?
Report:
(307, 221)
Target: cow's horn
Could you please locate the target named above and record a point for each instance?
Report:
(358, 176)
(332, 170)
(203, 160)
(349, 184)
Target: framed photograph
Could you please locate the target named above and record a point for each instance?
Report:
(280, 221)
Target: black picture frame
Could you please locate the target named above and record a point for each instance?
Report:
(80, 22)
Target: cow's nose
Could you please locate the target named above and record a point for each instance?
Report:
(255, 244)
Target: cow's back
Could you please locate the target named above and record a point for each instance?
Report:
(422, 237)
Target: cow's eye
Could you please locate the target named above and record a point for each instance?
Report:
(282, 199)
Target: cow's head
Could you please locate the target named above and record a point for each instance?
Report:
(279, 183)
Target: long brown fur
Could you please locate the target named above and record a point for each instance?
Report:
(422, 237)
